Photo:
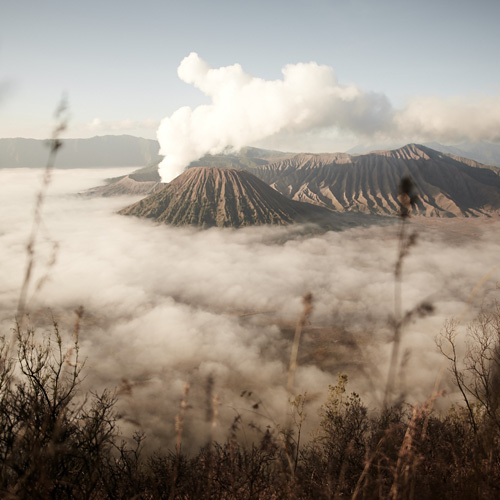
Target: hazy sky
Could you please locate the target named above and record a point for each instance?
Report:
(118, 60)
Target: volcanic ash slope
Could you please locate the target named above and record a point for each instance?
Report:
(220, 197)
(446, 186)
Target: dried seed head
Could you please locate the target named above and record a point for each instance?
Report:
(407, 196)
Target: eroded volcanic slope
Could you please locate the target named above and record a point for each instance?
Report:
(368, 183)
(206, 197)
(126, 186)
(144, 181)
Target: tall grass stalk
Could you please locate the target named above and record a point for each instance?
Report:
(54, 146)
(307, 301)
(406, 241)
(179, 427)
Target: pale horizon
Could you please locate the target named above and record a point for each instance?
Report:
(120, 66)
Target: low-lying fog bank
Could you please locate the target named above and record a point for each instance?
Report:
(165, 306)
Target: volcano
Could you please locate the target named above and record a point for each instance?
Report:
(368, 183)
(221, 197)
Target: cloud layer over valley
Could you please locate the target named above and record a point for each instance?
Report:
(165, 306)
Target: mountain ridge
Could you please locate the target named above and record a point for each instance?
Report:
(483, 152)
(94, 152)
(368, 182)
(447, 185)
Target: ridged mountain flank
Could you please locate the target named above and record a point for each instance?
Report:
(368, 183)
(210, 196)
(143, 181)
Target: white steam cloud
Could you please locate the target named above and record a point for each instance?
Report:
(246, 109)
(308, 100)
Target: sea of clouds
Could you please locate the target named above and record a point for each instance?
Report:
(167, 306)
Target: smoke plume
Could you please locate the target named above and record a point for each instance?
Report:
(307, 101)
(246, 109)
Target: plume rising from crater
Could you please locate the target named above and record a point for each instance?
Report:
(307, 101)
(246, 109)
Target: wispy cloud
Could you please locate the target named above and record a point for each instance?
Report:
(451, 120)
(102, 127)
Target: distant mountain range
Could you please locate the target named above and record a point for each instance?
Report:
(219, 190)
(126, 151)
(368, 183)
(482, 152)
(102, 151)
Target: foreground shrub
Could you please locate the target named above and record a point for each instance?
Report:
(56, 442)
(52, 442)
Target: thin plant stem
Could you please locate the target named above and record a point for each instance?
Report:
(54, 146)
